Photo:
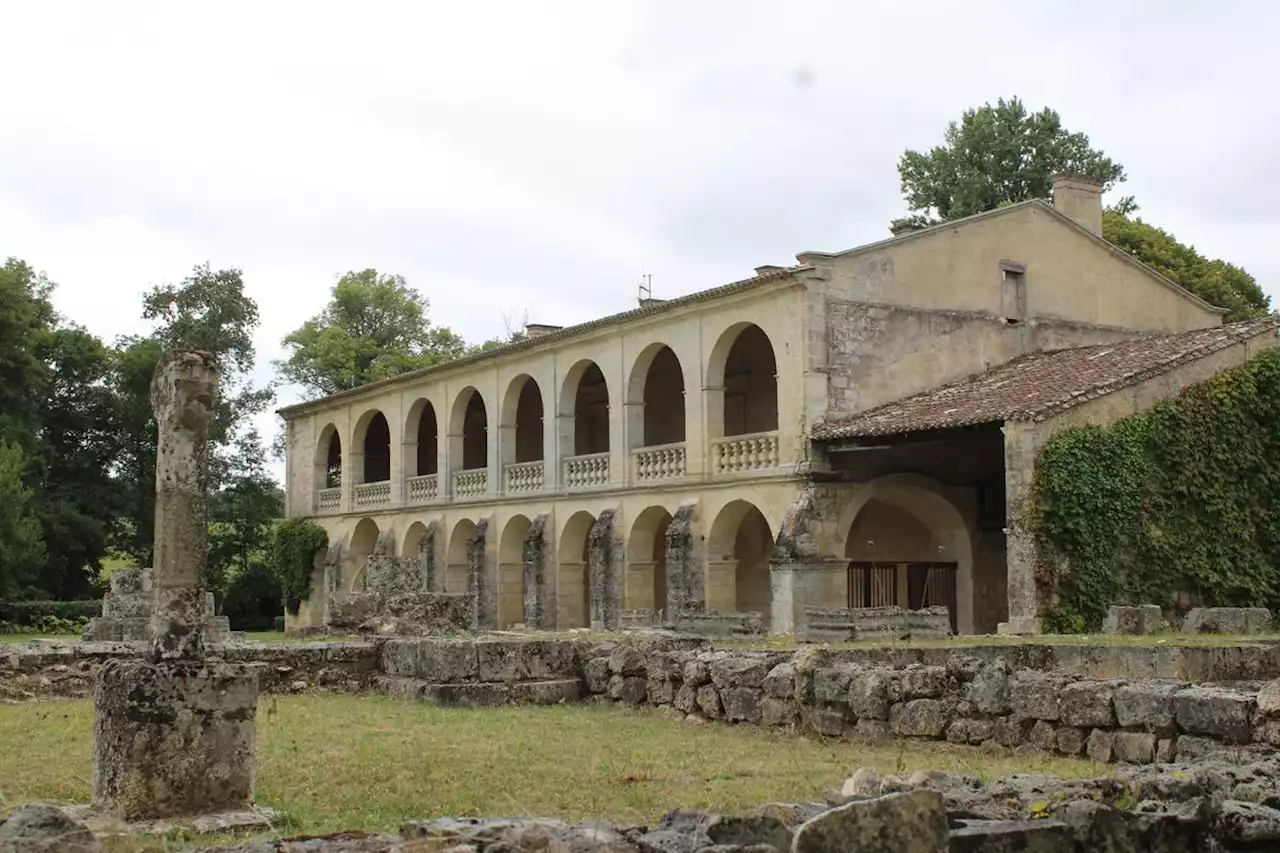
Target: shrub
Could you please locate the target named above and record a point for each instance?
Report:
(291, 557)
(253, 598)
(27, 613)
(1184, 497)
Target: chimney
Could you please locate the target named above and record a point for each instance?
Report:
(765, 269)
(1079, 199)
(534, 330)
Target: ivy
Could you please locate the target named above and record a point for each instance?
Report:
(291, 556)
(1181, 498)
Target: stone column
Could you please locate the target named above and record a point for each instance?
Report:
(606, 577)
(537, 610)
(793, 587)
(174, 734)
(685, 587)
(184, 391)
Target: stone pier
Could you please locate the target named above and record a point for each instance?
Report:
(174, 732)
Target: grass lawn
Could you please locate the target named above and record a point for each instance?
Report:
(252, 637)
(342, 762)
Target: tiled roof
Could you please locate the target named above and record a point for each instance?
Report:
(656, 307)
(1037, 385)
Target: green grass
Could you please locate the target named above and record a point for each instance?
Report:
(787, 642)
(344, 762)
(252, 637)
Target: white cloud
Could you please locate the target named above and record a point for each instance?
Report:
(507, 156)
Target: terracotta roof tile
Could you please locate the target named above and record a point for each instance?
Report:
(1037, 385)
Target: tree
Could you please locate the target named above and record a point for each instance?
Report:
(21, 546)
(374, 327)
(26, 314)
(1215, 281)
(996, 155)
(999, 155)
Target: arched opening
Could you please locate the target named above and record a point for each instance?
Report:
(363, 539)
(422, 443)
(743, 366)
(657, 382)
(645, 587)
(328, 466)
(738, 551)
(458, 570)
(475, 434)
(522, 412)
(413, 540)
(908, 546)
(586, 394)
(375, 448)
(573, 573)
(511, 572)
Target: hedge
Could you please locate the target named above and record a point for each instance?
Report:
(26, 613)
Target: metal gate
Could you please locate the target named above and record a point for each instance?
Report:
(932, 585)
(872, 585)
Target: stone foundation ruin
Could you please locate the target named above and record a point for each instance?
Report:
(127, 610)
(822, 625)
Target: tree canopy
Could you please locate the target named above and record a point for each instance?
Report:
(374, 327)
(1003, 154)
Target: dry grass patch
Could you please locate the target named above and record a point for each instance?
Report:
(338, 762)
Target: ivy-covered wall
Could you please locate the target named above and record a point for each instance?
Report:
(1182, 498)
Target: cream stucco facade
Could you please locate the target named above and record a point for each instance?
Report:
(704, 403)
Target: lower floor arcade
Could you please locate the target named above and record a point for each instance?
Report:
(639, 557)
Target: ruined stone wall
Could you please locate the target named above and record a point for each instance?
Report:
(965, 701)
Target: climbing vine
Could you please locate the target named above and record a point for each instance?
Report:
(1183, 498)
(292, 554)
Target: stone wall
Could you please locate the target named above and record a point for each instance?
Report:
(965, 701)
(855, 623)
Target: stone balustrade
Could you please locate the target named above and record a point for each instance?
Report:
(525, 477)
(422, 489)
(329, 500)
(741, 453)
(371, 495)
(662, 462)
(471, 484)
(587, 471)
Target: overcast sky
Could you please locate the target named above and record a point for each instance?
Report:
(541, 157)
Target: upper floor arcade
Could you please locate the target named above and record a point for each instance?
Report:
(674, 396)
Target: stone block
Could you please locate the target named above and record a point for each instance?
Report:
(989, 689)
(709, 702)
(923, 682)
(970, 731)
(1194, 748)
(595, 673)
(825, 721)
(634, 689)
(780, 682)
(1099, 745)
(446, 661)
(400, 658)
(1269, 699)
(1087, 704)
(1140, 620)
(1146, 703)
(919, 718)
(1134, 747)
(472, 695)
(1218, 712)
(626, 660)
(871, 731)
(739, 671)
(543, 660)
(1071, 740)
(547, 692)
(906, 822)
(696, 673)
(1227, 620)
(1012, 836)
(686, 698)
(831, 684)
(741, 704)
(1034, 695)
(661, 690)
(1010, 730)
(777, 712)
(1043, 735)
(173, 738)
(871, 693)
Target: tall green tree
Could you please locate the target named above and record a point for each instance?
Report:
(21, 543)
(374, 327)
(1003, 154)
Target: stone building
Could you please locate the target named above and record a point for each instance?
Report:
(856, 429)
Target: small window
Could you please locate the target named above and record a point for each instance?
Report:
(1013, 291)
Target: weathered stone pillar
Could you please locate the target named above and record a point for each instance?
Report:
(537, 610)
(484, 604)
(174, 734)
(432, 572)
(183, 393)
(604, 570)
(795, 572)
(685, 579)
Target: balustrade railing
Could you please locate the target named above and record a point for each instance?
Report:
(422, 489)
(737, 453)
(524, 477)
(369, 495)
(587, 471)
(663, 462)
(329, 500)
(471, 484)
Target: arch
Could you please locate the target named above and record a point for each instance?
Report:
(458, 566)
(738, 550)
(522, 411)
(744, 369)
(657, 386)
(926, 508)
(511, 571)
(363, 540)
(573, 577)
(585, 395)
(372, 444)
(422, 439)
(328, 459)
(413, 539)
(469, 423)
(645, 587)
